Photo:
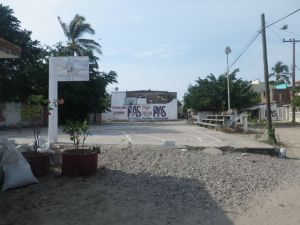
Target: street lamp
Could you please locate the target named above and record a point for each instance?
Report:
(227, 51)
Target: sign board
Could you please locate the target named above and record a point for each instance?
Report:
(70, 68)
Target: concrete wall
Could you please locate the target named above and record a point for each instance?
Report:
(203, 114)
(145, 112)
(10, 114)
(263, 114)
(118, 98)
(133, 108)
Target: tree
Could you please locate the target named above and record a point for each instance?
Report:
(211, 93)
(77, 45)
(28, 74)
(296, 99)
(82, 98)
(281, 73)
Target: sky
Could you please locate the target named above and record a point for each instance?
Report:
(168, 44)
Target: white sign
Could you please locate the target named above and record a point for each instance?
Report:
(71, 68)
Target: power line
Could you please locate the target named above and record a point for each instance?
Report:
(282, 18)
(257, 34)
(292, 33)
(281, 39)
(276, 34)
(287, 30)
(247, 47)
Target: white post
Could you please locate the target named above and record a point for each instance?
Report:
(53, 116)
(246, 123)
(63, 69)
(227, 51)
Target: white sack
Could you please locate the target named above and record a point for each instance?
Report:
(17, 171)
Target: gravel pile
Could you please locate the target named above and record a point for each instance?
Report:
(229, 179)
(149, 185)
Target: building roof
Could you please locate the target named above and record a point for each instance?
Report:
(9, 50)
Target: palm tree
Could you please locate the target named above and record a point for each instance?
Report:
(281, 73)
(74, 32)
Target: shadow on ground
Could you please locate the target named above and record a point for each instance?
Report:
(112, 198)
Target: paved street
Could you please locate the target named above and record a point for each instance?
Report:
(175, 133)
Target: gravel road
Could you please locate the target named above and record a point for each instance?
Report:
(149, 185)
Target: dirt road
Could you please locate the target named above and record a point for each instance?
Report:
(280, 207)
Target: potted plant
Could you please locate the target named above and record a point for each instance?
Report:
(80, 160)
(32, 112)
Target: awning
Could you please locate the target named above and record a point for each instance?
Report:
(9, 50)
(260, 106)
(254, 107)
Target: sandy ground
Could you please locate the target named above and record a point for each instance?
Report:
(277, 208)
(281, 206)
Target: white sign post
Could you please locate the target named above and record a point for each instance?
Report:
(70, 68)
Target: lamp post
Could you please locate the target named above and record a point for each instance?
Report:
(227, 51)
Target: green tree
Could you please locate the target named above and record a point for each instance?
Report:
(76, 44)
(28, 74)
(281, 73)
(82, 98)
(210, 93)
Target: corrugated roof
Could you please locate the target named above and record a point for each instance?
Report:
(9, 50)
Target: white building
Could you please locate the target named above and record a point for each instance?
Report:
(143, 105)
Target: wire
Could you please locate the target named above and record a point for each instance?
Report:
(257, 34)
(247, 47)
(292, 33)
(282, 18)
(287, 31)
(280, 38)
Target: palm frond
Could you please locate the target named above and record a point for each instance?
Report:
(93, 48)
(64, 27)
(82, 28)
(88, 42)
(74, 22)
(90, 45)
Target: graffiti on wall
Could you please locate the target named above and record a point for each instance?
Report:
(118, 110)
(134, 111)
(146, 112)
(159, 112)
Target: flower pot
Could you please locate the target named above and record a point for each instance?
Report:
(39, 162)
(78, 162)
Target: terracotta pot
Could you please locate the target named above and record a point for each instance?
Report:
(39, 162)
(79, 162)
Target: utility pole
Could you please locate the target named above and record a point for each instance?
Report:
(227, 51)
(293, 76)
(271, 133)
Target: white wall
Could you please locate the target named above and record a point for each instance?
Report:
(145, 111)
(263, 115)
(118, 98)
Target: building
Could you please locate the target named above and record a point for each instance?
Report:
(143, 105)
(279, 94)
(280, 98)
(8, 50)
